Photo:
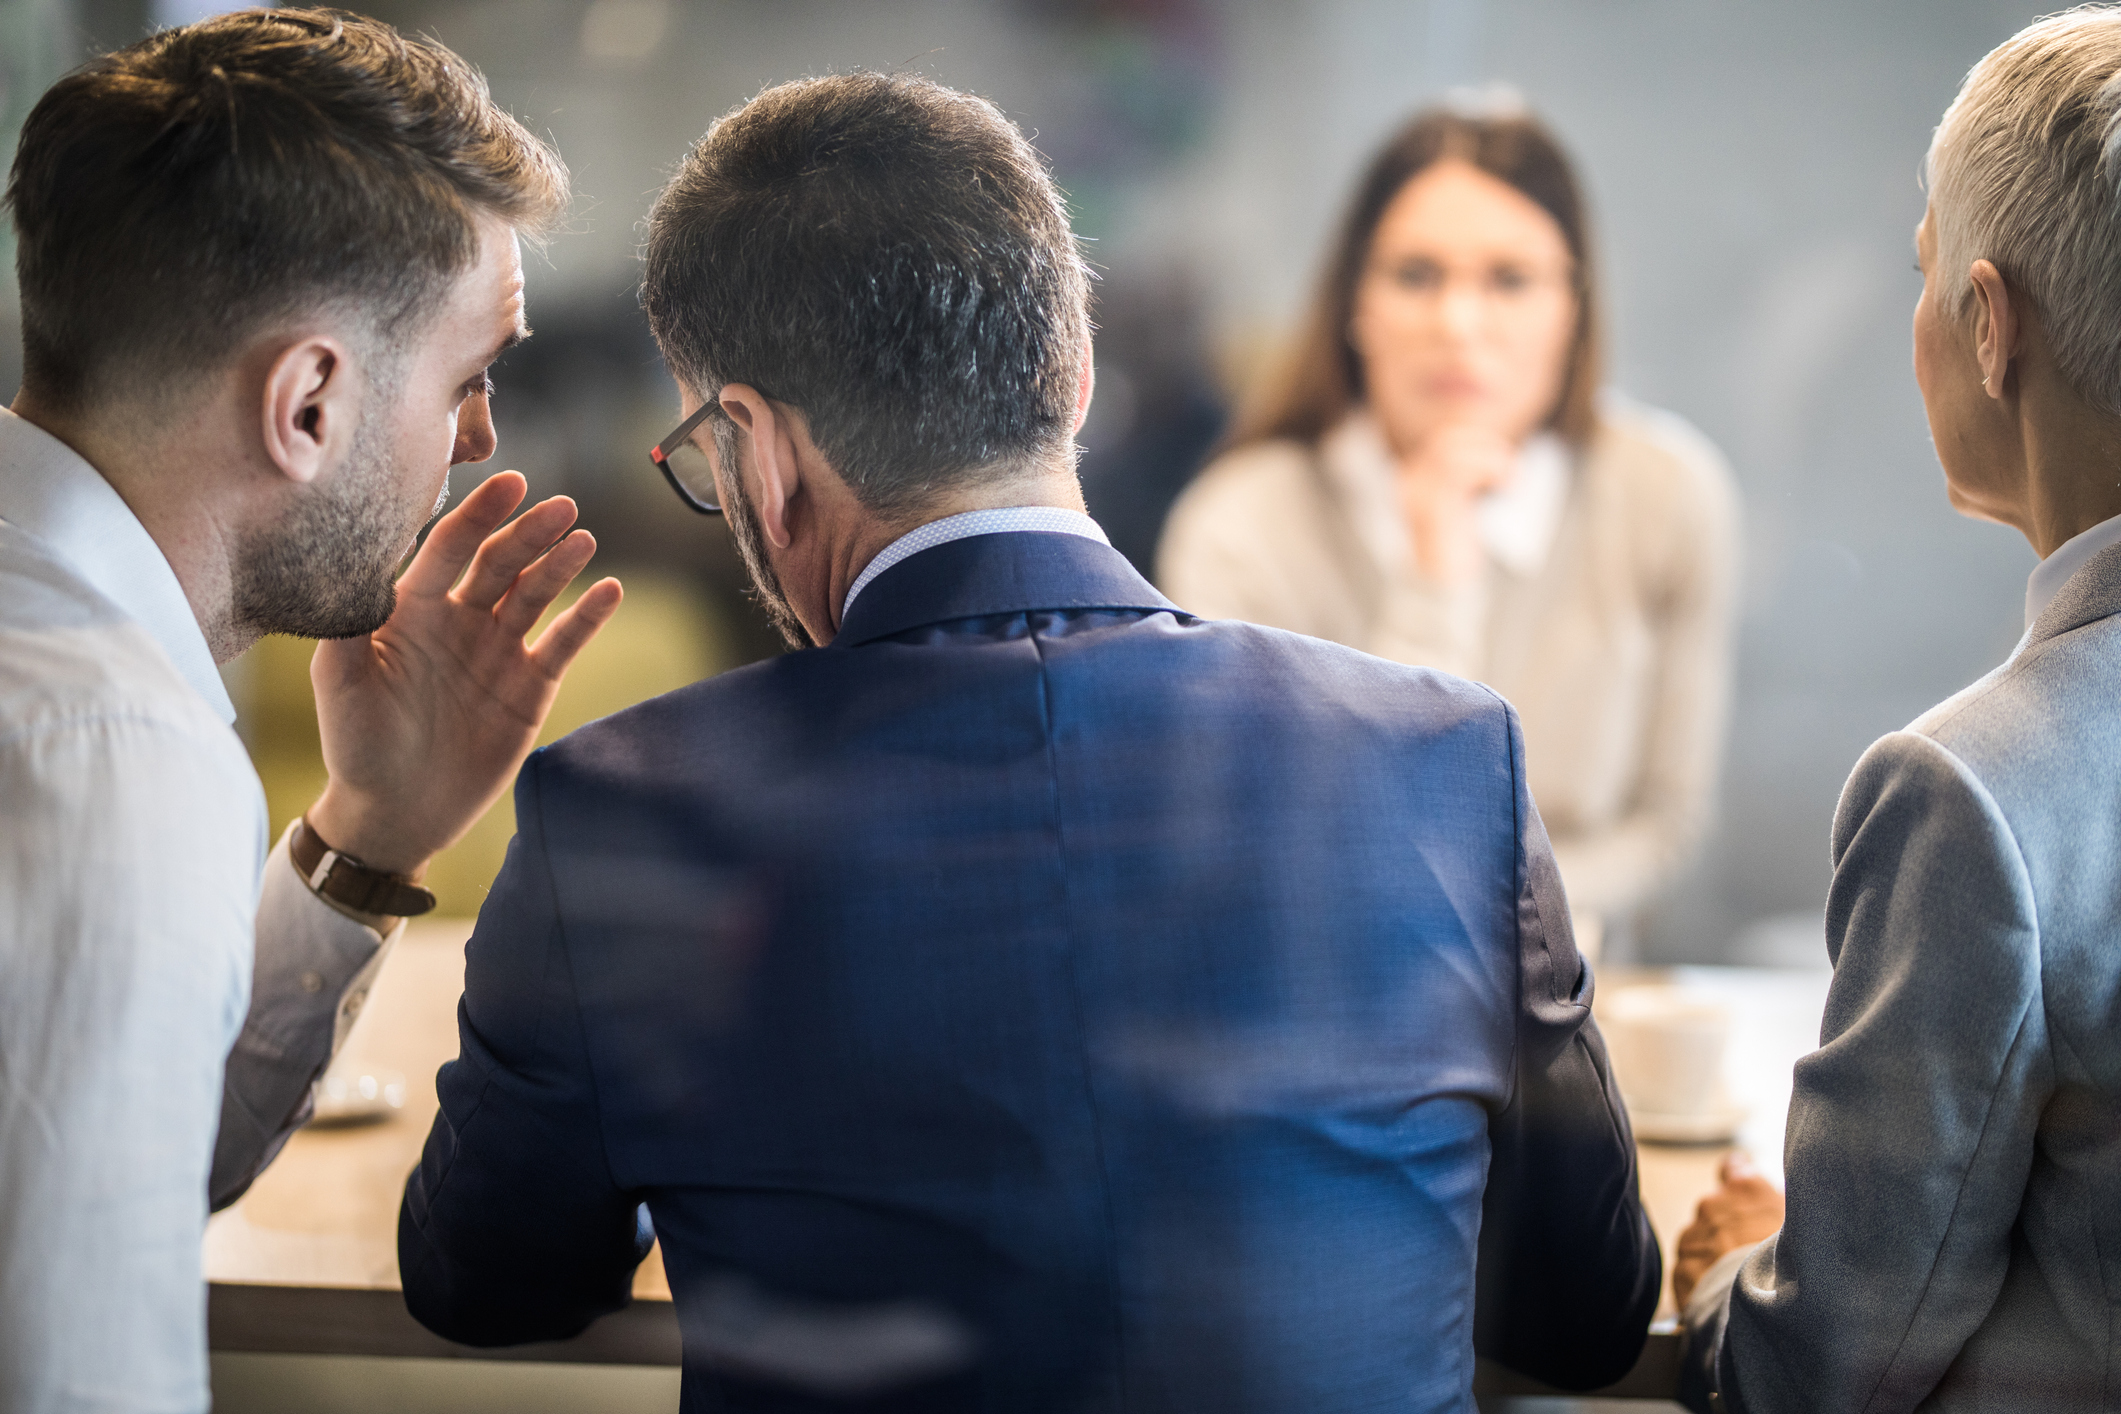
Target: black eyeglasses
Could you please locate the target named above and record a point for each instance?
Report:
(686, 467)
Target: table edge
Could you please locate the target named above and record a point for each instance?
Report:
(254, 1318)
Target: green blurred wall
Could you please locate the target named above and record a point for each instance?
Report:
(665, 636)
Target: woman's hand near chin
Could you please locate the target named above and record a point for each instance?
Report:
(1440, 486)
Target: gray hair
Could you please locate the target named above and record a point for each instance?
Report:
(2025, 171)
(891, 257)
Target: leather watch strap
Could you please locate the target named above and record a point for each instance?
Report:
(346, 880)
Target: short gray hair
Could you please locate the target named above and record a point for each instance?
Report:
(2025, 171)
(891, 257)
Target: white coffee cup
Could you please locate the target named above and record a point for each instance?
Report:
(1667, 1048)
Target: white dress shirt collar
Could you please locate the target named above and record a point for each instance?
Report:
(48, 491)
(1517, 524)
(1054, 520)
(2071, 555)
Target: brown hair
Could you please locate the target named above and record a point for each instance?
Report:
(1322, 380)
(891, 257)
(173, 199)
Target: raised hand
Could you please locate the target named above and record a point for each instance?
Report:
(426, 720)
(1440, 486)
(1745, 1209)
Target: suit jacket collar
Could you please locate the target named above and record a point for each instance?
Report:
(2093, 592)
(1013, 572)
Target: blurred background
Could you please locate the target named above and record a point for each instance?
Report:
(1752, 170)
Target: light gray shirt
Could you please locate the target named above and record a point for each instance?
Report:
(2073, 554)
(137, 1015)
(1056, 520)
(1953, 1239)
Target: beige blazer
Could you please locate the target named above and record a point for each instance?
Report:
(1614, 645)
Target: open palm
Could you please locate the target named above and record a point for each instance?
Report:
(426, 720)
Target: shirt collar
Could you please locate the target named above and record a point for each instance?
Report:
(1055, 520)
(2071, 555)
(1518, 524)
(49, 491)
(999, 575)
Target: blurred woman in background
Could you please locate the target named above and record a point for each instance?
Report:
(1436, 480)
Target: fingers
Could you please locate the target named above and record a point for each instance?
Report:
(536, 587)
(1723, 1221)
(1699, 1250)
(571, 631)
(458, 535)
(1736, 1167)
(505, 554)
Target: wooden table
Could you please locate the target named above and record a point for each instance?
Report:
(307, 1262)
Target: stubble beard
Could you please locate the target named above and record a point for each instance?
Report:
(750, 538)
(329, 569)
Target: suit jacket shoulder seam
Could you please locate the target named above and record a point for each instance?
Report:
(1988, 1119)
(2003, 674)
(1075, 993)
(532, 769)
(1979, 790)
(1521, 882)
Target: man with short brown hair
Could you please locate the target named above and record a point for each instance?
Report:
(265, 262)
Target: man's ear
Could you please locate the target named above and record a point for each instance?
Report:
(1086, 386)
(310, 407)
(773, 458)
(1996, 326)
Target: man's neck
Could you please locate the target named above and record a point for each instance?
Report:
(867, 536)
(173, 506)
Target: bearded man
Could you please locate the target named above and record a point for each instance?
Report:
(265, 262)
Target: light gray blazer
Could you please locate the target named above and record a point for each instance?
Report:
(1953, 1240)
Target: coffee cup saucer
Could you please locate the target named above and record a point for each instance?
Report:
(1718, 1125)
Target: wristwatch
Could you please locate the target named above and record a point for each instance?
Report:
(347, 881)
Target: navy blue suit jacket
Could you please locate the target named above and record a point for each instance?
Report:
(1040, 999)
